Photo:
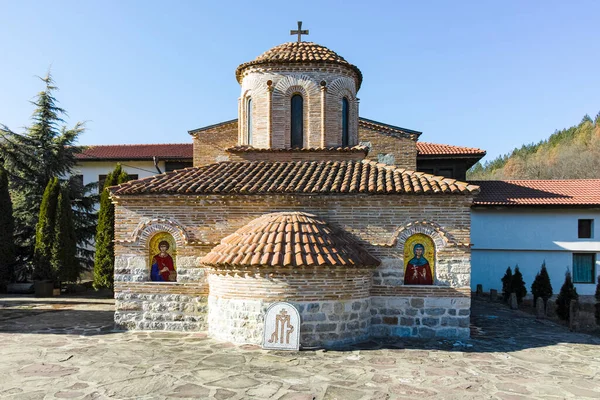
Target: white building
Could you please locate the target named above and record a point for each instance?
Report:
(529, 222)
(138, 160)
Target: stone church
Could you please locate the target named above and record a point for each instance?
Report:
(294, 202)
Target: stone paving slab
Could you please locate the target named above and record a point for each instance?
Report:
(72, 352)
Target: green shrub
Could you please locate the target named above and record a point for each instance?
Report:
(541, 286)
(507, 284)
(64, 246)
(44, 236)
(7, 227)
(563, 301)
(518, 285)
(104, 261)
(597, 313)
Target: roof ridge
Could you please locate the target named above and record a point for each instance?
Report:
(300, 176)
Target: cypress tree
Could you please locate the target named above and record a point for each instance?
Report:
(567, 293)
(64, 246)
(541, 286)
(597, 295)
(7, 225)
(104, 262)
(518, 285)
(44, 236)
(507, 284)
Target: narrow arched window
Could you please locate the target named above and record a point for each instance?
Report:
(345, 119)
(297, 123)
(249, 121)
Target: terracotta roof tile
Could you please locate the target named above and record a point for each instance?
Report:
(353, 149)
(434, 149)
(387, 129)
(299, 52)
(257, 245)
(316, 177)
(137, 151)
(538, 192)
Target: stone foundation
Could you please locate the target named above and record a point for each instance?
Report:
(323, 324)
(422, 317)
(160, 306)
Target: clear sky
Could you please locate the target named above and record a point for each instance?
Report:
(487, 74)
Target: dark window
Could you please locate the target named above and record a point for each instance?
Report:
(584, 267)
(345, 132)
(446, 172)
(427, 170)
(102, 179)
(249, 120)
(173, 165)
(584, 228)
(297, 121)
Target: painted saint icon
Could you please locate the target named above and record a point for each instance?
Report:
(418, 270)
(163, 268)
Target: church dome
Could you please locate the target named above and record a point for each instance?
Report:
(289, 239)
(299, 53)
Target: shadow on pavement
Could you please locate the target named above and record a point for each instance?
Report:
(494, 327)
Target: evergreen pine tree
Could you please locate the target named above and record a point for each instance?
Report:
(44, 237)
(507, 284)
(541, 286)
(7, 248)
(104, 263)
(567, 293)
(45, 150)
(597, 295)
(518, 285)
(64, 246)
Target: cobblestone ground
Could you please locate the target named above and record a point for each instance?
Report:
(65, 348)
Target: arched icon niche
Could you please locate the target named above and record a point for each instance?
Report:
(419, 260)
(162, 256)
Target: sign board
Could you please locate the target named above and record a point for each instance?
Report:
(282, 327)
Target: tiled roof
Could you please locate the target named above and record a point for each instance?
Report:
(353, 149)
(289, 239)
(137, 152)
(387, 129)
(434, 149)
(299, 52)
(311, 177)
(538, 192)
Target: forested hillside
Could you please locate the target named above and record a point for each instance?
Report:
(567, 154)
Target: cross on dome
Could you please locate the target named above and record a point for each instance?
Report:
(299, 32)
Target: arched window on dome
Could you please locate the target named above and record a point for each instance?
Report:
(345, 122)
(249, 121)
(297, 122)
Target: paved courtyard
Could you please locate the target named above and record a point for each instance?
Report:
(66, 348)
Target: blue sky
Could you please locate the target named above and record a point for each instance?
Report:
(485, 74)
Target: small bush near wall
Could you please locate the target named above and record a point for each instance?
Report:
(507, 284)
(597, 313)
(567, 293)
(541, 286)
(518, 285)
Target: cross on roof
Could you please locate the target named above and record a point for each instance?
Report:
(299, 32)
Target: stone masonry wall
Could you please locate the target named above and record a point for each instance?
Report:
(323, 323)
(210, 145)
(271, 105)
(421, 312)
(403, 150)
(161, 306)
(380, 222)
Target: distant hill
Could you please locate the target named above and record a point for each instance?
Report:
(572, 153)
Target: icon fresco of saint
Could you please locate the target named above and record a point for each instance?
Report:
(418, 271)
(163, 267)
